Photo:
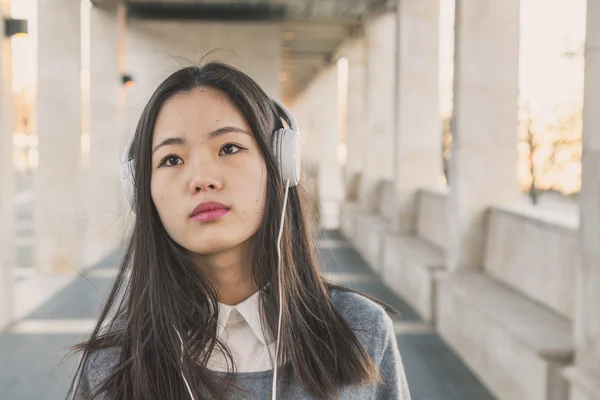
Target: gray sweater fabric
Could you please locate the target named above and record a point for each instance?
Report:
(371, 325)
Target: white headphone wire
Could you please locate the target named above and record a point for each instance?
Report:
(280, 285)
(187, 385)
(279, 270)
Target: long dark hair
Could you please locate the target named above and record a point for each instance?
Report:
(159, 291)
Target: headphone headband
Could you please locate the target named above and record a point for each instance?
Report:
(287, 113)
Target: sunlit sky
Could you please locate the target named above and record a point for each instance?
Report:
(549, 29)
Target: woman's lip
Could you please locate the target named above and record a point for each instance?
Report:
(208, 206)
(209, 216)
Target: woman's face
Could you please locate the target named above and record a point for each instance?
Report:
(203, 152)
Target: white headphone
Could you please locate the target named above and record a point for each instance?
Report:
(286, 147)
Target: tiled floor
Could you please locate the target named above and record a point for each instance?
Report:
(30, 355)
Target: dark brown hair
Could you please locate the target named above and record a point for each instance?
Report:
(158, 289)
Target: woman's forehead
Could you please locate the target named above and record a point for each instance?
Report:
(197, 113)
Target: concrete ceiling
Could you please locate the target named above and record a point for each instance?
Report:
(312, 29)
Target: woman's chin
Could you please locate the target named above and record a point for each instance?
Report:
(212, 245)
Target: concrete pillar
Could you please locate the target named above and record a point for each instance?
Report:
(355, 52)
(58, 196)
(585, 375)
(7, 215)
(380, 34)
(484, 149)
(330, 181)
(418, 144)
(105, 216)
(316, 109)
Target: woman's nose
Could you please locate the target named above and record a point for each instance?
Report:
(205, 185)
(205, 181)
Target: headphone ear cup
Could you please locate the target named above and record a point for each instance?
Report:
(286, 147)
(128, 182)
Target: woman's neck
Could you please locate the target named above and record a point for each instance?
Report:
(230, 272)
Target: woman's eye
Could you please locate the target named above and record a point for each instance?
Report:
(229, 149)
(170, 161)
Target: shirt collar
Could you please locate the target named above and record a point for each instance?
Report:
(249, 309)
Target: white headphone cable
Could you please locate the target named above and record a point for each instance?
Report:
(274, 388)
(187, 385)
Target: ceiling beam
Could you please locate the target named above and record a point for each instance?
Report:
(337, 12)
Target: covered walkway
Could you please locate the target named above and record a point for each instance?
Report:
(32, 349)
(417, 182)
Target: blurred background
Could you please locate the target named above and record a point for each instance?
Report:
(451, 155)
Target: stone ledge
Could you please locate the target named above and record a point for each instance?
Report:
(348, 213)
(515, 346)
(409, 268)
(566, 221)
(369, 238)
(432, 219)
(419, 250)
(387, 206)
(585, 384)
(542, 331)
(330, 213)
(547, 277)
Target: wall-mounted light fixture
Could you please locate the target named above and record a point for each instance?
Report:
(127, 80)
(15, 27)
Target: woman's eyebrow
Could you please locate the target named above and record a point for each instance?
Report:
(211, 135)
(169, 141)
(227, 129)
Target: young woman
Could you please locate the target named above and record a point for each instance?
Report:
(213, 300)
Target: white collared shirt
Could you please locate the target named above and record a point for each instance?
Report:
(240, 328)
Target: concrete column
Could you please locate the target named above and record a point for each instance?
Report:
(380, 33)
(484, 152)
(317, 112)
(585, 375)
(330, 181)
(6, 177)
(418, 145)
(58, 195)
(106, 203)
(356, 123)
